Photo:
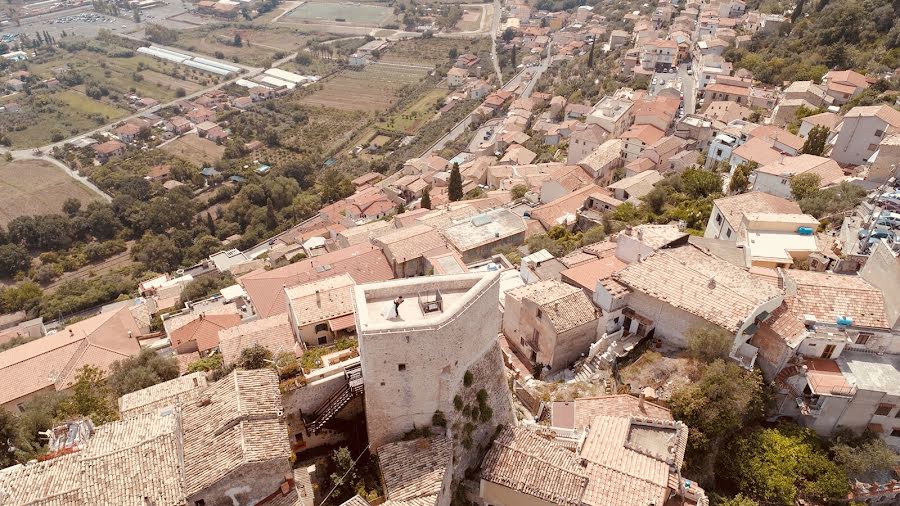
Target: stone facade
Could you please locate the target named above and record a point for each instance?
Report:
(414, 366)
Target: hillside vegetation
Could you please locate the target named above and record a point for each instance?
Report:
(838, 34)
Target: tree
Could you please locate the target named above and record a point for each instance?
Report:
(25, 295)
(776, 466)
(143, 370)
(518, 191)
(9, 435)
(740, 180)
(92, 397)
(271, 217)
(455, 187)
(699, 183)
(816, 140)
(805, 185)
(13, 258)
(205, 287)
(738, 500)
(590, 62)
(512, 57)
(708, 343)
(426, 199)
(345, 475)
(725, 399)
(860, 455)
(333, 186)
(508, 34)
(158, 253)
(254, 357)
(71, 206)
(237, 40)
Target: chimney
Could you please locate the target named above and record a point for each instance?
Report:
(204, 400)
(641, 400)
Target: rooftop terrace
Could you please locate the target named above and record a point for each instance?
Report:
(426, 300)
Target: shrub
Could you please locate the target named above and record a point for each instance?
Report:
(468, 379)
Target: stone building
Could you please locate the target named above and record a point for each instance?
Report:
(227, 445)
(415, 357)
(550, 323)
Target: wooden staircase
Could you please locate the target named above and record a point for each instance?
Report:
(331, 407)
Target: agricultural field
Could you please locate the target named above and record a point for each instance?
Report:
(93, 91)
(471, 19)
(193, 149)
(36, 187)
(139, 75)
(340, 12)
(45, 118)
(410, 119)
(375, 88)
(435, 51)
(259, 44)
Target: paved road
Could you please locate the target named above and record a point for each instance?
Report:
(510, 85)
(689, 88)
(495, 26)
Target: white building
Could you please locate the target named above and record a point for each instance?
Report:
(862, 131)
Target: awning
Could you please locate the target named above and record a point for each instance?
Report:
(342, 322)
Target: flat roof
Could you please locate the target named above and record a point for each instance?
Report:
(868, 371)
(776, 246)
(373, 302)
(485, 228)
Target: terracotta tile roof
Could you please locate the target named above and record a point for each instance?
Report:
(785, 324)
(776, 134)
(700, 284)
(566, 306)
(621, 405)
(415, 469)
(571, 177)
(758, 150)
(240, 423)
(826, 119)
(728, 89)
(410, 243)
(847, 77)
(830, 296)
(364, 262)
(168, 393)
(587, 274)
(552, 212)
(133, 461)
(828, 170)
(321, 300)
(734, 207)
(53, 361)
(274, 333)
(658, 236)
(648, 134)
(520, 460)
(204, 330)
(630, 460)
(883, 112)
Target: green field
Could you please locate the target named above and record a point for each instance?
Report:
(410, 119)
(65, 113)
(349, 12)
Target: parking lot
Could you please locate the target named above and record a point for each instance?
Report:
(84, 22)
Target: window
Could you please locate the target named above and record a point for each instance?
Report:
(322, 327)
(884, 409)
(322, 339)
(728, 234)
(538, 314)
(784, 181)
(718, 219)
(879, 133)
(199, 502)
(863, 337)
(873, 147)
(299, 437)
(401, 367)
(718, 153)
(895, 433)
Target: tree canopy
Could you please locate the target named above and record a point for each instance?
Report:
(779, 465)
(143, 370)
